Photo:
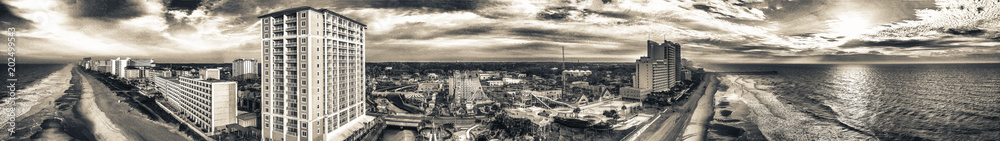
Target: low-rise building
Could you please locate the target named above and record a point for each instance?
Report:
(209, 105)
(633, 93)
(495, 82)
(512, 81)
(429, 87)
(577, 73)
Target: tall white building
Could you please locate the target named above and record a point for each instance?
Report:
(659, 70)
(209, 105)
(118, 66)
(312, 75)
(244, 67)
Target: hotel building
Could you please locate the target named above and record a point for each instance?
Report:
(659, 70)
(244, 67)
(312, 75)
(209, 105)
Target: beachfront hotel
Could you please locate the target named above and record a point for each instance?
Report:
(312, 75)
(206, 104)
(659, 70)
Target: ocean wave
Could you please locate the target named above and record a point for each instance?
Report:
(21, 103)
(782, 121)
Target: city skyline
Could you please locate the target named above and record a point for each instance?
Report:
(904, 31)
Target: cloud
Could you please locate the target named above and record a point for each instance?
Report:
(9, 19)
(522, 30)
(108, 10)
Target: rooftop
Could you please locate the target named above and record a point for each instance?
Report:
(293, 10)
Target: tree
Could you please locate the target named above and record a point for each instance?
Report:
(577, 110)
(611, 114)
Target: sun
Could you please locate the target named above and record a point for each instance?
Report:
(850, 24)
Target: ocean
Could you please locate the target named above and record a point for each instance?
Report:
(869, 101)
(34, 81)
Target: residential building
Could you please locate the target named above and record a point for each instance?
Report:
(208, 105)
(577, 73)
(312, 76)
(494, 82)
(244, 68)
(512, 81)
(118, 66)
(210, 73)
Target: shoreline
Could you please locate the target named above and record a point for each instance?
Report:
(670, 123)
(29, 122)
(140, 126)
(103, 128)
(696, 128)
(733, 120)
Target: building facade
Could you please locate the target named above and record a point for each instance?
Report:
(118, 66)
(312, 75)
(209, 105)
(659, 70)
(211, 73)
(244, 67)
(633, 93)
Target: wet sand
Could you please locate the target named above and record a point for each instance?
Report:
(731, 120)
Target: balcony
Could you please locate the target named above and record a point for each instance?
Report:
(290, 20)
(290, 45)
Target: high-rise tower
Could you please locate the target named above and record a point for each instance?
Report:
(312, 75)
(659, 70)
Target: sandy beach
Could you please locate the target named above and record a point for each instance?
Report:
(696, 127)
(670, 123)
(127, 122)
(731, 120)
(103, 128)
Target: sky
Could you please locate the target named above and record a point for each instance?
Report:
(709, 31)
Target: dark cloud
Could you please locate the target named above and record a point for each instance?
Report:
(544, 34)
(559, 13)
(718, 43)
(965, 31)
(756, 47)
(177, 26)
(108, 10)
(532, 48)
(471, 30)
(182, 4)
(438, 5)
(245, 7)
(8, 19)
(890, 42)
(882, 58)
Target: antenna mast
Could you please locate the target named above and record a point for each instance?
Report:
(564, 70)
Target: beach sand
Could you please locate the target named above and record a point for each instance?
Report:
(696, 127)
(104, 129)
(121, 120)
(738, 124)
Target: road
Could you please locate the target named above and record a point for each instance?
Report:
(672, 120)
